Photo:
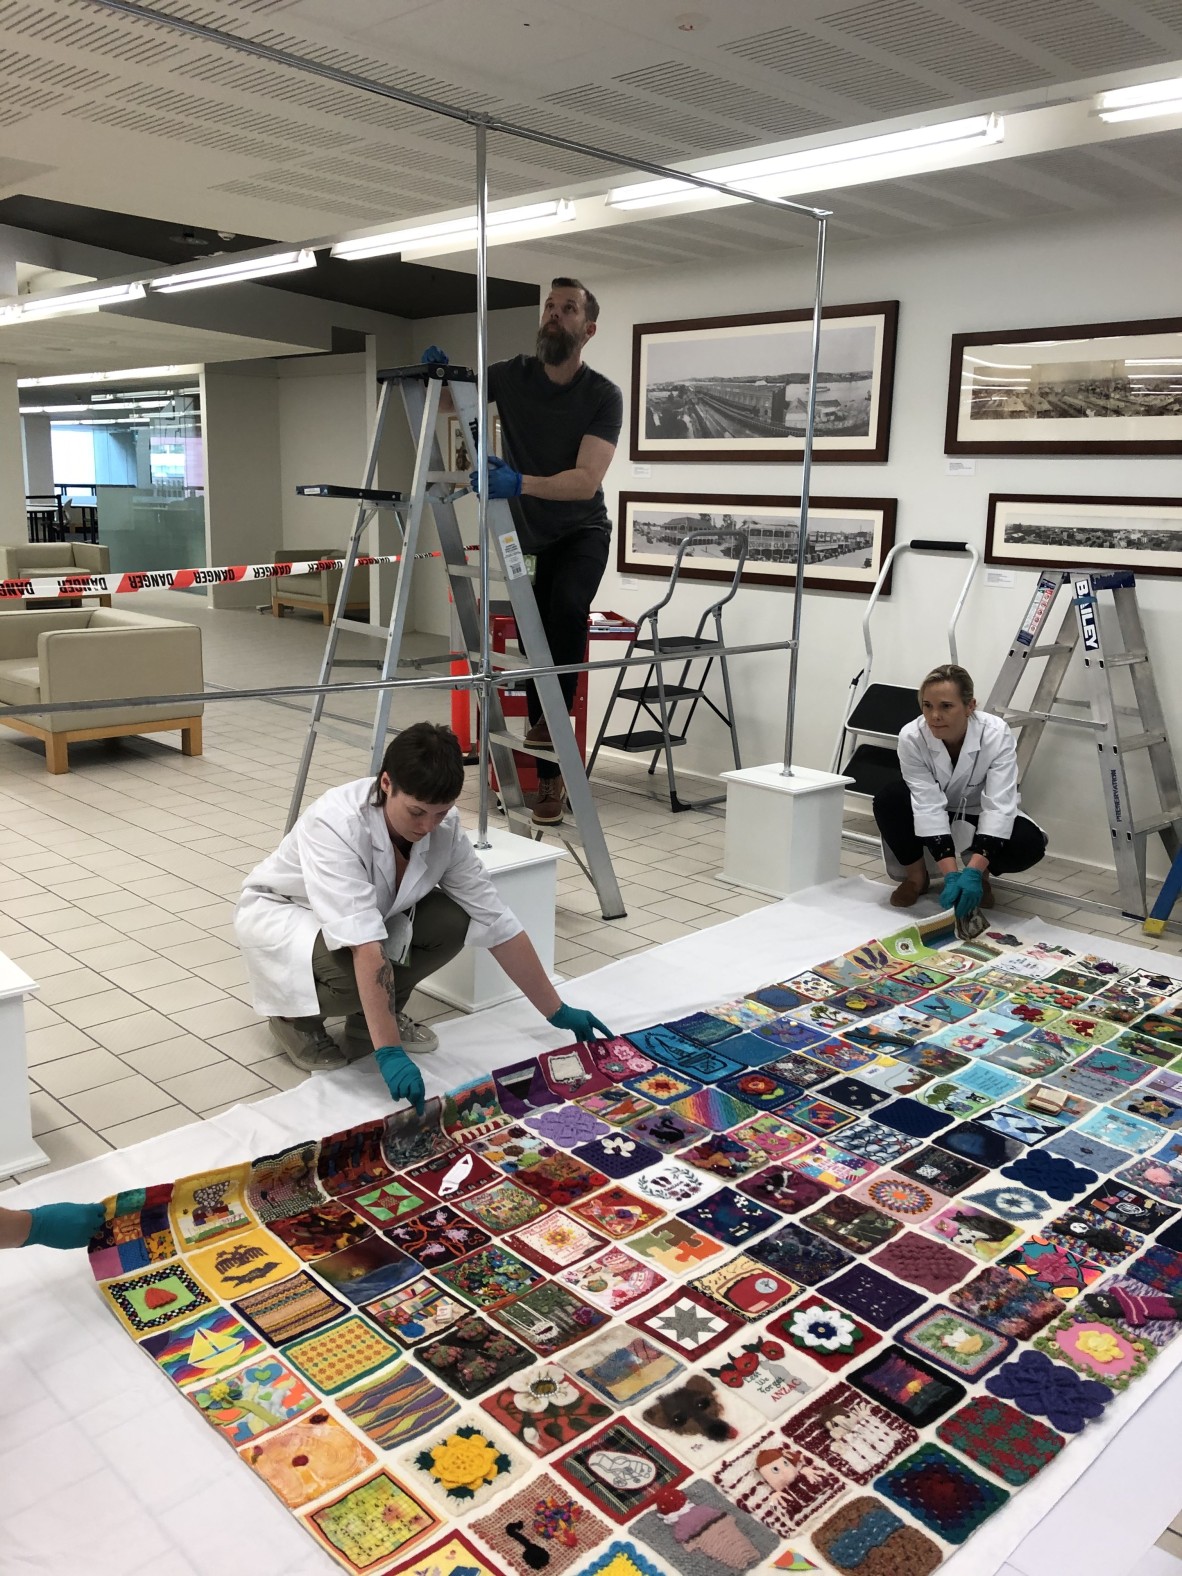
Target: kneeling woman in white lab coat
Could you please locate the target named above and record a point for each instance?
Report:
(375, 887)
(958, 797)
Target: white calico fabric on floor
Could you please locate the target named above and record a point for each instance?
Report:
(104, 1469)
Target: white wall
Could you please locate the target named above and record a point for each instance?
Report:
(1073, 271)
(240, 425)
(323, 435)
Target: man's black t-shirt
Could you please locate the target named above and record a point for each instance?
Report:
(543, 423)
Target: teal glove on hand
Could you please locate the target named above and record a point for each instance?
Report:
(581, 1023)
(503, 480)
(64, 1225)
(950, 891)
(403, 1079)
(434, 357)
(970, 892)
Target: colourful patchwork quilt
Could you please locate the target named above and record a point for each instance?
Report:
(816, 1279)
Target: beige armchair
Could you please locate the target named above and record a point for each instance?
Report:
(317, 593)
(30, 560)
(85, 654)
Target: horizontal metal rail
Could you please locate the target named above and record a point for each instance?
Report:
(451, 681)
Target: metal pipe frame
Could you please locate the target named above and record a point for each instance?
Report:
(507, 679)
(483, 124)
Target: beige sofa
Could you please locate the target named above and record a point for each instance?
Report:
(30, 560)
(316, 593)
(62, 654)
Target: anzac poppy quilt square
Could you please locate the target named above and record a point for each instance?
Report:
(560, 1179)
(620, 1470)
(549, 1318)
(765, 1372)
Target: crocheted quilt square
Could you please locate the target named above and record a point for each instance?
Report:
(763, 1090)
(850, 1433)
(1049, 1389)
(827, 1333)
(698, 1532)
(461, 1464)
(661, 1086)
(618, 1058)
(776, 1482)
(942, 1493)
(801, 1254)
(549, 1318)
(907, 1386)
(1083, 1151)
(1007, 1303)
(1019, 1204)
(878, 1299)
(620, 1469)
(771, 1137)
(714, 1109)
(955, 1342)
(1006, 1442)
(922, 1262)
(852, 1223)
(571, 1071)
(1161, 1331)
(865, 1538)
(1096, 1347)
(291, 1308)
(541, 1527)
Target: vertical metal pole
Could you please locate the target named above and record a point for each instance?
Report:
(486, 674)
(806, 472)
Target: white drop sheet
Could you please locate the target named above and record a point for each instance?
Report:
(104, 1469)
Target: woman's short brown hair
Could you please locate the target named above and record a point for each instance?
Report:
(425, 761)
(950, 673)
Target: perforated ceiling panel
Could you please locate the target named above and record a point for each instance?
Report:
(702, 90)
(1085, 36)
(916, 33)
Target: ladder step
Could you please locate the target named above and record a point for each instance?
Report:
(1047, 650)
(514, 741)
(472, 572)
(1142, 741)
(1127, 659)
(643, 740)
(566, 828)
(884, 709)
(683, 645)
(378, 495)
(651, 692)
(1169, 815)
(1017, 718)
(871, 768)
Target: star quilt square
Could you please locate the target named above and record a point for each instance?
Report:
(618, 1212)
(620, 1470)
(759, 1088)
(387, 1202)
(687, 1323)
(549, 1318)
(731, 1217)
(1028, 1127)
(907, 1386)
(541, 1527)
(941, 1493)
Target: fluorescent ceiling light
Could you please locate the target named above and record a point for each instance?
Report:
(1139, 103)
(220, 272)
(1153, 361)
(422, 236)
(121, 375)
(756, 175)
(33, 308)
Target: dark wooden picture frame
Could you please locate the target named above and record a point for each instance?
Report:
(1062, 521)
(770, 394)
(725, 513)
(1075, 379)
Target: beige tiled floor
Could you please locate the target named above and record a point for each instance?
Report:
(117, 884)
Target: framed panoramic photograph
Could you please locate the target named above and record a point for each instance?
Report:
(736, 388)
(1091, 388)
(1045, 531)
(848, 538)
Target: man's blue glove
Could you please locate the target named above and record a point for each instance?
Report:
(950, 891)
(503, 480)
(434, 357)
(581, 1023)
(970, 892)
(403, 1079)
(64, 1225)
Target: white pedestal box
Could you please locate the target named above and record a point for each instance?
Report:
(18, 1151)
(782, 833)
(526, 879)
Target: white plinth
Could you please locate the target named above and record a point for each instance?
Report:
(782, 833)
(18, 1152)
(526, 879)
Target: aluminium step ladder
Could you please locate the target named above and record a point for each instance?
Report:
(877, 713)
(1081, 629)
(421, 388)
(656, 701)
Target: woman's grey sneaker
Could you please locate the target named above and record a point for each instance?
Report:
(417, 1038)
(308, 1044)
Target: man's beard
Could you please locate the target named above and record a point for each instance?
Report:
(556, 344)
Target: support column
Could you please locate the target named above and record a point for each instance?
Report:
(243, 519)
(38, 445)
(13, 524)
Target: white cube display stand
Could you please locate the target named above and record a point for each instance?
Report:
(525, 876)
(782, 833)
(18, 1151)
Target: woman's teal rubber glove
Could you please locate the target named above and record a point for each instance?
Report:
(433, 357)
(403, 1079)
(64, 1225)
(581, 1023)
(950, 891)
(970, 892)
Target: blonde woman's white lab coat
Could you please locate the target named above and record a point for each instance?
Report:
(334, 874)
(982, 783)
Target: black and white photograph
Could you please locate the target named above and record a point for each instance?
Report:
(1042, 531)
(845, 543)
(1100, 388)
(736, 388)
(460, 453)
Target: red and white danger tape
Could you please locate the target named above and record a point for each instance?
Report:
(50, 586)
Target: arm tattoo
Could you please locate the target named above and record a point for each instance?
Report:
(385, 978)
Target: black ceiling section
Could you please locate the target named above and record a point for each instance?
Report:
(378, 284)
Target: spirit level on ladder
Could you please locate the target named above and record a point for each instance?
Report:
(1082, 629)
(421, 388)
